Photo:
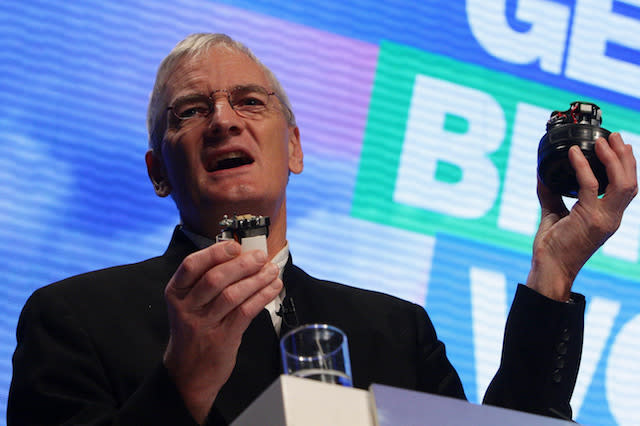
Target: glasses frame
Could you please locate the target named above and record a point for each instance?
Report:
(228, 93)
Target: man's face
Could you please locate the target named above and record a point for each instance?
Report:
(225, 163)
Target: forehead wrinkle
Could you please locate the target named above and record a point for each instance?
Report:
(185, 83)
(195, 74)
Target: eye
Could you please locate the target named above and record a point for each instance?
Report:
(192, 111)
(192, 107)
(256, 100)
(249, 100)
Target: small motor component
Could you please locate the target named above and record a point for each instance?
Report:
(579, 125)
(249, 230)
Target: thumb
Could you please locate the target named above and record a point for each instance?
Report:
(550, 202)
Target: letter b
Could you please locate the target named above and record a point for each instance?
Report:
(427, 144)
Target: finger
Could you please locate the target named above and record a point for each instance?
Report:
(239, 292)
(215, 280)
(620, 163)
(196, 264)
(238, 319)
(550, 202)
(587, 182)
(625, 154)
(613, 164)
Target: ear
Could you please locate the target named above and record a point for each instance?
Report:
(157, 174)
(296, 163)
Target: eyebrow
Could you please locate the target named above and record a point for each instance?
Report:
(189, 96)
(249, 88)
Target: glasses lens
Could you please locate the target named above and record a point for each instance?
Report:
(249, 101)
(192, 107)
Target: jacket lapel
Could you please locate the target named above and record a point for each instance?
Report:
(306, 297)
(257, 366)
(258, 362)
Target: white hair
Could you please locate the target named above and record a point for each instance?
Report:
(192, 47)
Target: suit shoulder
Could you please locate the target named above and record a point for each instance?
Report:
(347, 292)
(110, 280)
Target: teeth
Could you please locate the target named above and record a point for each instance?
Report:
(229, 160)
(233, 154)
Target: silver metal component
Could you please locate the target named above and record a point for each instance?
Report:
(242, 226)
(578, 113)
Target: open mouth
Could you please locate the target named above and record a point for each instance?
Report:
(228, 160)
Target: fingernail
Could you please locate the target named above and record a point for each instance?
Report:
(232, 248)
(273, 269)
(260, 256)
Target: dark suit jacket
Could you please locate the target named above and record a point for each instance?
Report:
(90, 348)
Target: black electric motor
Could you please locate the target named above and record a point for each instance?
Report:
(579, 125)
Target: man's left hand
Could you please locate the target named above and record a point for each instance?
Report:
(567, 239)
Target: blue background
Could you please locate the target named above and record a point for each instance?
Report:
(74, 83)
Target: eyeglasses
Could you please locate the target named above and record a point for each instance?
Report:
(247, 101)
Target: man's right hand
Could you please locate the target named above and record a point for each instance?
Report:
(212, 298)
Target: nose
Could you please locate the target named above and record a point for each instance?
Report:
(223, 119)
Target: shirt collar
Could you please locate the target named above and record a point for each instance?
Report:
(200, 241)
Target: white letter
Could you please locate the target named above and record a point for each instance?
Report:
(594, 25)
(597, 327)
(544, 41)
(488, 314)
(426, 143)
(623, 375)
(624, 243)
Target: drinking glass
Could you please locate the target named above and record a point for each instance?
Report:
(317, 351)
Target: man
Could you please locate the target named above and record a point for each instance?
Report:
(184, 338)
